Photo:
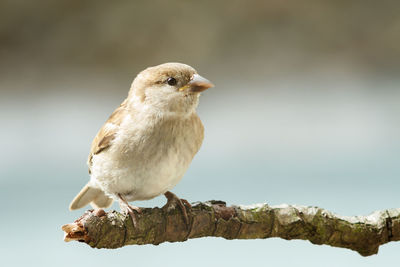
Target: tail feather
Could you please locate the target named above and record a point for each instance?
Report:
(95, 196)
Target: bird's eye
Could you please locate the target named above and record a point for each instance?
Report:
(171, 81)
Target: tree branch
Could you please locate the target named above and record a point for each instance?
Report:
(363, 234)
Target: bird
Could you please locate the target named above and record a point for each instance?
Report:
(148, 142)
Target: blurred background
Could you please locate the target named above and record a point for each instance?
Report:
(305, 111)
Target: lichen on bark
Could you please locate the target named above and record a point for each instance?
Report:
(363, 234)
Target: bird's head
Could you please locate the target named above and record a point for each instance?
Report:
(172, 87)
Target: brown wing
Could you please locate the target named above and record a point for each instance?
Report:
(107, 133)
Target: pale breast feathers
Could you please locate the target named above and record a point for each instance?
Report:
(107, 133)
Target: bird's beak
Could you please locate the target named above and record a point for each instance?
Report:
(197, 84)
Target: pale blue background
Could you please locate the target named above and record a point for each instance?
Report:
(305, 111)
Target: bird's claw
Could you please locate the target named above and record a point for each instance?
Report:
(172, 200)
(129, 209)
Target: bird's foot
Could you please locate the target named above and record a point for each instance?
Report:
(173, 200)
(129, 209)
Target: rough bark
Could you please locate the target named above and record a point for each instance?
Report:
(363, 234)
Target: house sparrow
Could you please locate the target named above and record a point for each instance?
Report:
(148, 142)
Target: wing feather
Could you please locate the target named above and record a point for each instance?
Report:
(106, 135)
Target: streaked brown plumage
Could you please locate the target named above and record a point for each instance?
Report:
(106, 134)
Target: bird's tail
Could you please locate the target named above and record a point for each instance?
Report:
(95, 196)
